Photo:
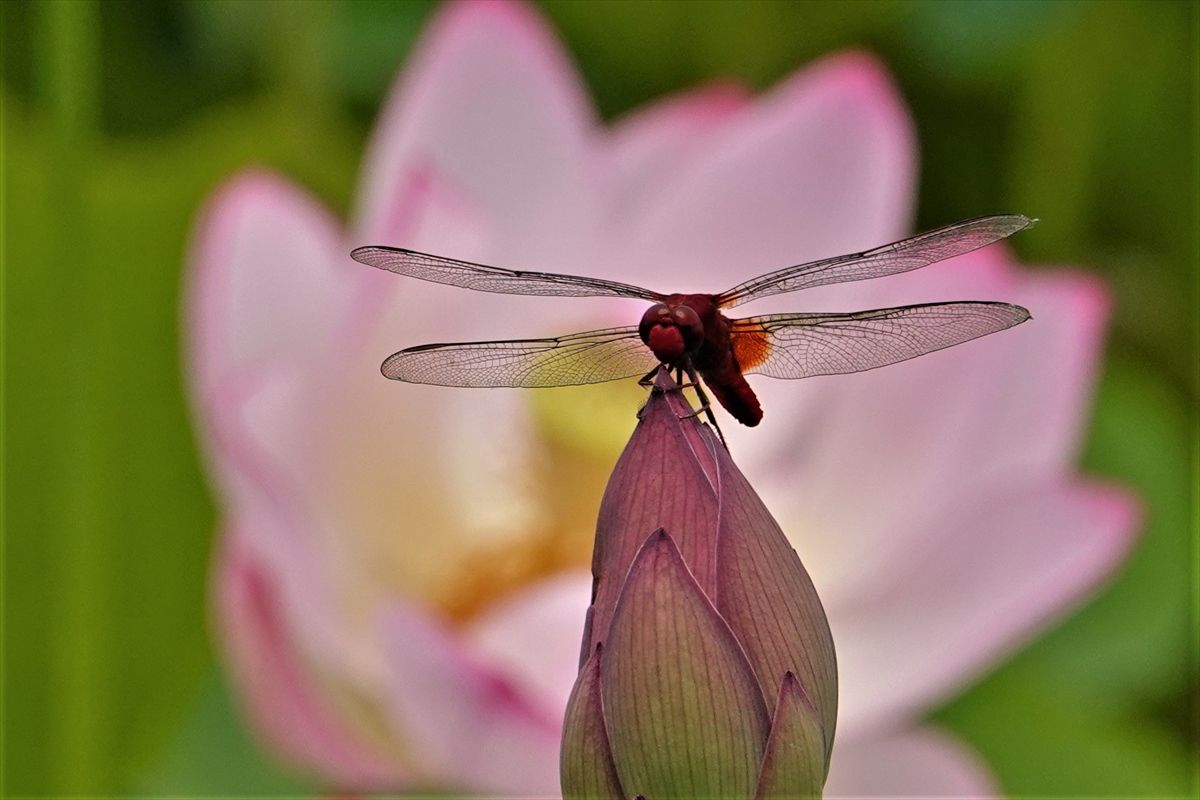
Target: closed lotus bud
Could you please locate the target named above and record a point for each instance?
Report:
(707, 668)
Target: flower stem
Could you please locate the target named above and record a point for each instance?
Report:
(68, 77)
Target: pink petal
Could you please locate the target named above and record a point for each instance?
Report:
(260, 456)
(654, 147)
(1047, 367)
(280, 519)
(326, 436)
(1036, 379)
(296, 543)
(269, 279)
(267, 498)
(820, 165)
(468, 726)
(398, 461)
(1015, 401)
(490, 101)
(323, 306)
(996, 570)
(279, 694)
(922, 763)
(250, 423)
(533, 637)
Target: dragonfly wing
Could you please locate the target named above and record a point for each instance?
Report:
(591, 357)
(484, 278)
(890, 259)
(804, 345)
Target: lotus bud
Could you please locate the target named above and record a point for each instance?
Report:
(707, 668)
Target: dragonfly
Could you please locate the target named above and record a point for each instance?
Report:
(689, 333)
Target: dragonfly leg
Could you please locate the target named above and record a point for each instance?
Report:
(690, 383)
(648, 378)
(705, 406)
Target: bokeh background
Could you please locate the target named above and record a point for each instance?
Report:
(120, 117)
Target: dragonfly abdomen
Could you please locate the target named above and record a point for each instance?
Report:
(732, 391)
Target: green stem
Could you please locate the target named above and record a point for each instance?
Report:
(79, 715)
(301, 64)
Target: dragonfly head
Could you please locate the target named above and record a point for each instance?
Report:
(671, 331)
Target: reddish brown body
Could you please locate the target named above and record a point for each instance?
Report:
(688, 331)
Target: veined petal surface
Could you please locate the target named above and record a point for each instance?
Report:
(665, 478)
(794, 764)
(587, 768)
(772, 607)
(684, 712)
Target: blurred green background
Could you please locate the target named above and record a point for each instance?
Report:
(120, 117)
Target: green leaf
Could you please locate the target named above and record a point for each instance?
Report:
(973, 41)
(370, 39)
(1087, 134)
(1041, 742)
(634, 52)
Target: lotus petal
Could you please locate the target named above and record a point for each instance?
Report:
(587, 767)
(684, 712)
(794, 765)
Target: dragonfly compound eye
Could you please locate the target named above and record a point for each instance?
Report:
(670, 332)
(688, 322)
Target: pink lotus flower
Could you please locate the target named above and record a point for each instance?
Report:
(402, 570)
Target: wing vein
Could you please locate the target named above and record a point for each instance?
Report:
(485, 278)
(804, 345)
(890, 259)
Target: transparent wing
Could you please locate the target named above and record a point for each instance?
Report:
(483, 278)
(591, 357)
(890, 259)
(803, 345)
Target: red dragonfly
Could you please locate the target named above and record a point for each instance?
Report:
(688, 333)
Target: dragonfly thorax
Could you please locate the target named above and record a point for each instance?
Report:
(671, 331)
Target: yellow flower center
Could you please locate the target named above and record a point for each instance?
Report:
(580, 432)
